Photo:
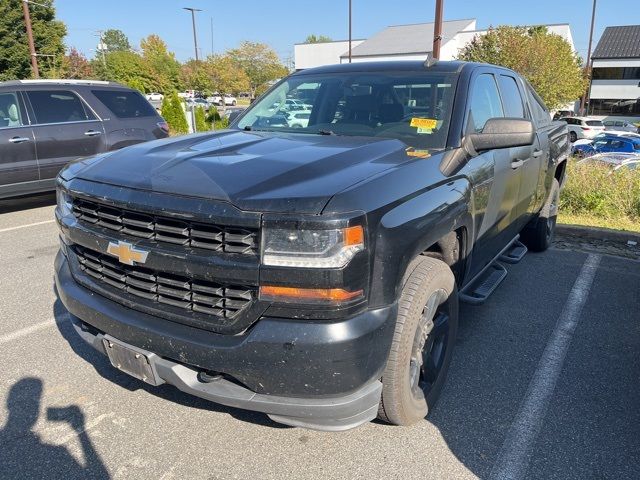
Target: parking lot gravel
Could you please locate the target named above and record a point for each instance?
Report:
(66, 413)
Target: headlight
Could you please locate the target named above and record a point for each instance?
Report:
(65, 202)
(311, 248)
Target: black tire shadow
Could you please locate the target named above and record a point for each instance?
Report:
(9, 205)
(167, 392)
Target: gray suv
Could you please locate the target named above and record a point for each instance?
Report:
(44, 124)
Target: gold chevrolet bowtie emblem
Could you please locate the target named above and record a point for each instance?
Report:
(127, 253)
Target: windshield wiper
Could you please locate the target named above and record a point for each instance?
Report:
(326, 132)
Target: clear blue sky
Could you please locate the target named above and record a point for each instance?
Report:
(281, 23)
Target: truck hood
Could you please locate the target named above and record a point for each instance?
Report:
(255, 171)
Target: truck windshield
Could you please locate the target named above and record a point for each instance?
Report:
(414, 107)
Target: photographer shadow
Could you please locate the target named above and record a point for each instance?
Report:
(22, 452)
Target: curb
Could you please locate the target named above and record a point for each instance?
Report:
(598, 233)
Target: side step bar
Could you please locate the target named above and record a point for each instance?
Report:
(515, 253)
(485, 283)
(483, 286)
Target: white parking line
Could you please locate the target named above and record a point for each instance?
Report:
(514, 456)
(9, 337)
(10, 229)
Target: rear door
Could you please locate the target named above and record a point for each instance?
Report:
(65, 129)
(527, 159)
(18, 163)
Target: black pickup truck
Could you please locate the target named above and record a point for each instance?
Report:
(312, 269)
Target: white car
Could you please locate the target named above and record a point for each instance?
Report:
(229, 100)
(155, 97)
(620, 125)
(583, 127)
(299, 119)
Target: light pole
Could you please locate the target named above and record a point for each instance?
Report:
(437, 30)
(349, 31)
(193, 21)
(583, 100)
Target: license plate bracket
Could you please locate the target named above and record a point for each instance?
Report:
(130, 360)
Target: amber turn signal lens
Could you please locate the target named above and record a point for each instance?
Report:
(353, 235)
(324, 295)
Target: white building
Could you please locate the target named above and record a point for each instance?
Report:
(615, 84)
(401, 42)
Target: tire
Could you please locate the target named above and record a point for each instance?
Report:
(572, 136)
(234, 103)
(422, 344)
(538, 235)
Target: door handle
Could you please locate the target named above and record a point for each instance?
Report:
(516, 163)
(92, 133)
(537, 153)
(19, 139)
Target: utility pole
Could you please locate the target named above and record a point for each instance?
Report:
(193, 21)
(583, 100)
(437, 30)
(102, 47)
(349, 31)
(32, 47)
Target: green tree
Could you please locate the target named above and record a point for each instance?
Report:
(313, 38)
(125, 67)
(259, 62)
(194, 75)
(48, 35)
(115, 41)
(545, 59)
(162, 63)
(173, 113)
(226, 75)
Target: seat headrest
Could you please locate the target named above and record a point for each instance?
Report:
(13, 113)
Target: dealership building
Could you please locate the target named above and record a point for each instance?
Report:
(401, 42)
(615, 84)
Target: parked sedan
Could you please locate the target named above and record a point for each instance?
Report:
(299, 119)
(583, 127)
(607, 143)
(616, 161)
(198, 102)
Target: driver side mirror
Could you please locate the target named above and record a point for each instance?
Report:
(503, 133)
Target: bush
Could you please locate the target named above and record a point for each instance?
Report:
(201, 123)
(592, 189)
(174, 114)
(219, 123)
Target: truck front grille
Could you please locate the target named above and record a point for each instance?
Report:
(204, 297)
(167, 230)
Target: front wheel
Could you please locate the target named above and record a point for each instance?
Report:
(573, 137)
(422, 344)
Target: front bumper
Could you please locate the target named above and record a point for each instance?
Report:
(314, 374)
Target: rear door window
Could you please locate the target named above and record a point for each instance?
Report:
(58, 106)
(511, 98)
(541, 116)
(125, 103)
(594, 123)
(10, 114)
(485, 101)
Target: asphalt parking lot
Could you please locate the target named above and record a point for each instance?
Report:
(545, 384)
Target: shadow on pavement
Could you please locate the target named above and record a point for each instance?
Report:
(27, 203)
(106, 370)
(22, 452)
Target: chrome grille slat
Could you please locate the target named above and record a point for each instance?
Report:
(218, 238)
(196, 295)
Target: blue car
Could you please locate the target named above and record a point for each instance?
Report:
(608, 143)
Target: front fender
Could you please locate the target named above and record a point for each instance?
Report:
(411, 227)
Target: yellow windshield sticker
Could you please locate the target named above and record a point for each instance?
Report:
(424, 123)
(412, 152)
